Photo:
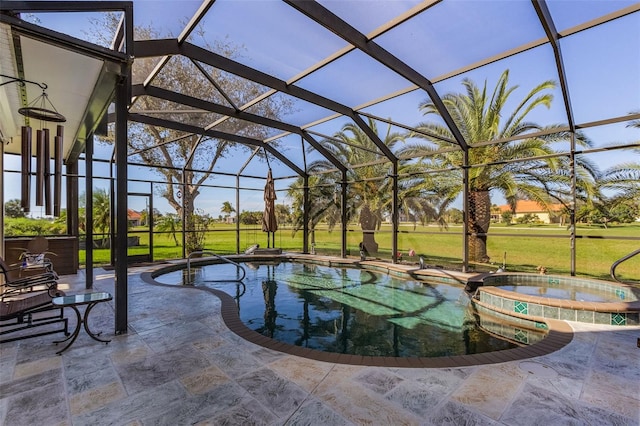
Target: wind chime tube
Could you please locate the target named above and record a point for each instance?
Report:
(57, 170)
(39, 167)
(26, 169)
(47, 173)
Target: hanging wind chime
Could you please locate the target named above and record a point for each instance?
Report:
(41, 109)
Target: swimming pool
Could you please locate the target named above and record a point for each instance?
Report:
(351, 310)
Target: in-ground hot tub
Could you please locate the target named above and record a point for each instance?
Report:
(558, 297)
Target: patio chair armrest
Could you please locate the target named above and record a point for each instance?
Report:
(46, 265)
(12, 292)
(47, 281)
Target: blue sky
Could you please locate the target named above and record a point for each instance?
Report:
(602, 64)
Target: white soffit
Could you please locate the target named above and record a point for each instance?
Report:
(70, 77)
(9, 98)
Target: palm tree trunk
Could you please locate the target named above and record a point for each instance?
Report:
(173, 234)
(368, 226)
(479, 221)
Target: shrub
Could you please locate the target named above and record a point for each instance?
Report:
(25, 226)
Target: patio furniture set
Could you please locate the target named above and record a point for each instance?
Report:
(31, 304)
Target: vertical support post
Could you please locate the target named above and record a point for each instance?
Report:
(2, 253)
(394, 211)
(305, 215)
(122, 99)
(343, 213)
(112, 209)
(72, 199)
(184, 216)
(120, 243)
(25, 199)
(465, 211)
(572, 211)
(88, 188)
(237, 213)
(150, 218)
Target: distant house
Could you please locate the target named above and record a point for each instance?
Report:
(523, 207)
(134, 218)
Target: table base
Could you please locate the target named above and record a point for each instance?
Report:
(81, 320)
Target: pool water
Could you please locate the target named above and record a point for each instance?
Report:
(351, 311)
(564, 292)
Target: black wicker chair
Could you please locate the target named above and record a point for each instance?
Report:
(25, 303)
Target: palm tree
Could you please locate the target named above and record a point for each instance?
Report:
(170, 222)
(282, 213)
(369, 189)
(227, 209)
(323, 203)
(422, 196)
(481, 118)
(624, 180)
(101, 212)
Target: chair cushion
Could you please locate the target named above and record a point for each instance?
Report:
(20, 304)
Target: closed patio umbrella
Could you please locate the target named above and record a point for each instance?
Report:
(269, 222)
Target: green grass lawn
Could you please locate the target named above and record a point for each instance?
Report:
(522, 247)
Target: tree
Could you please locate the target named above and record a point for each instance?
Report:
(197, 237)
(101, 212)
(625, 212)
(323, 203)
(619, 190)
(283, 213)
(227, 209)
(528, 218)
(481, 118)
(144, 217)
(495, 212)
(185, 161)
(454, 215)
(624, 181)
(169, 222)
(13, 208)
(250, 218)
(422, 196)
(369, 188)
(425, 196)
(507, 216)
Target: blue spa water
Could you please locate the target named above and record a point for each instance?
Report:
(566, 292)
(351, 311)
